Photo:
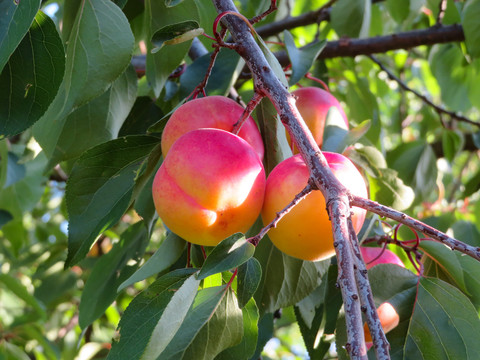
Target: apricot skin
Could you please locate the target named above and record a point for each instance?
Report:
(372, 257)
(216, 112)
(210, 186)
(313, 104)
(389, 319)
(306, 232)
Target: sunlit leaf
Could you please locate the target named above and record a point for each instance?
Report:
(175, 34)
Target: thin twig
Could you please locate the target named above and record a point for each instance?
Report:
(272, 8)
(404, 86)
(442, 6)
(417, 225)
(299, 197)
(252, 104)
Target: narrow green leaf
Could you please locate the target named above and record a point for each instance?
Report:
(14, 23)
(101, 287)
(13, 351)
(351, 18)
(204, 306)
(230, 253)
(222, 331)
(272, 60)
(452, 143)
(173, 317)
(159, 65)
(97, 121)
(247, 346)
(335, 131)
(471, 26)
(301, 59)
(99, 50)
(143, 314)
(285, 280)
(444, 325)
(165, 256)
(32, 76)
(248, 278)
(175, 34)
(273, 133)
(22, 293)
(99, 189)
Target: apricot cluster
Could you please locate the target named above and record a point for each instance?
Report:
(212, 183)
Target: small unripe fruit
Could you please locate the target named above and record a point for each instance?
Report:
(306, 232)
(218, 112)
(375, 255)
(313, 104)
(210, 186)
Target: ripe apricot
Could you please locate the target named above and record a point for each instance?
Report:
(216, 112)
(389, 320)
(313, 104)
(306, 232)
(210, 186)
(375, 255)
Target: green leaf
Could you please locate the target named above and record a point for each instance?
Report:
(453, 84)
(32, 76)
(351, 18)
(272, 60)
(15, 170)
(12, 284)
(285, 280)
(444, 324)
(172, 3)
(247, 346)
(388, 189)
(225, 72)
(337, 137)
(398, 10)
(99, 189)
(273, 134)
(301, 59)
(169, 251)
(248, 278)
(159, 65)
(230, 253)
(145, 312)
(416, 165)
(445, 258)
(452, 143)
(14, 23)
(97, 121)
(5, 217)
(101, 287)
(471, 26)
(398, 286)
(222, 331)
(98, 52)
(14, 351)
(175, 34)
(317, 314)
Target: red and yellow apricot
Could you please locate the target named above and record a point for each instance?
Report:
(375, 255)
(216, 112)
(306, 232)
(389, 319)
(313, 104)
(210, 185)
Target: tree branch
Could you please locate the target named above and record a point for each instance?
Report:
(426, 100)
(438, 34)
(336, 195)
(417, 225)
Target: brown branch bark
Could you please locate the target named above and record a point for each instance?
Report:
(336, 195)
(380, 44)
(417, 225)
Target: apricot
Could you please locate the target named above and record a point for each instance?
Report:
(210, 185)
(389, 319)
(306, 232)
(375, 255)
(216, 112)
(313, 104)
